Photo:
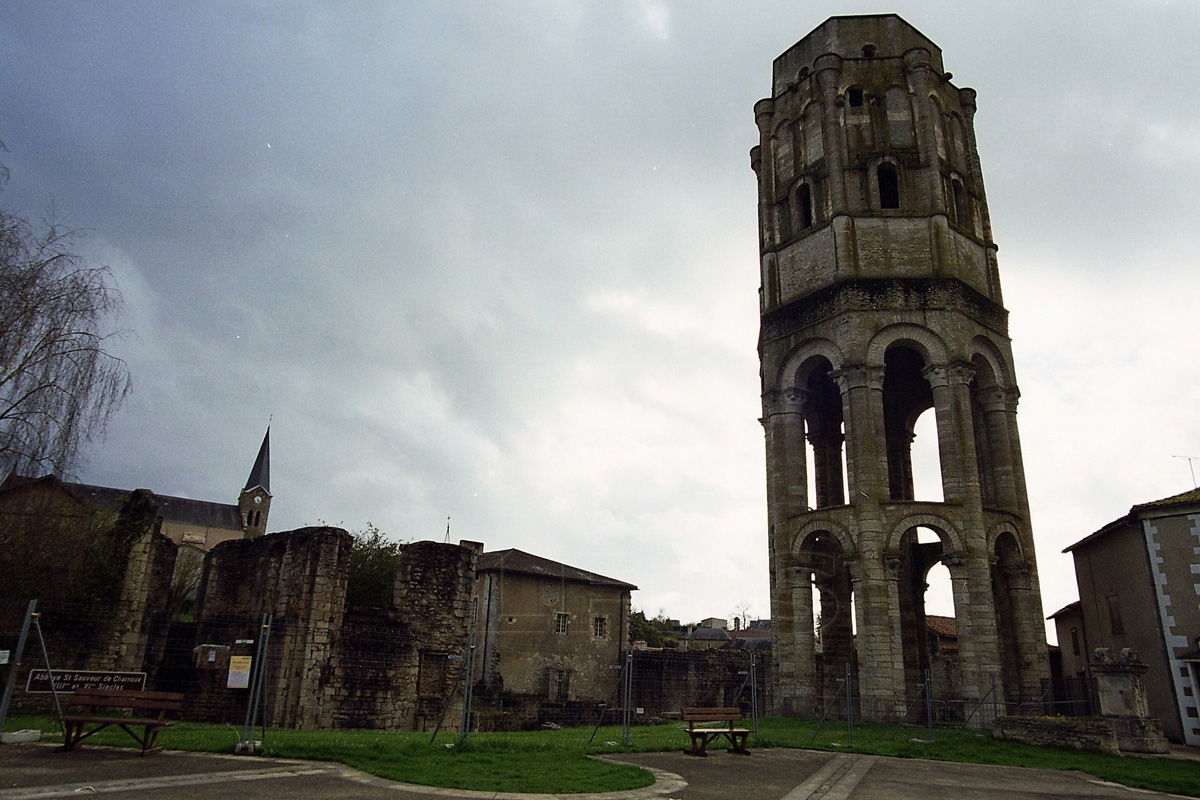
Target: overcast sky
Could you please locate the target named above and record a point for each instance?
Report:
(498, 260)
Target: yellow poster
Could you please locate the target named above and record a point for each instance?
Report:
(239, 672)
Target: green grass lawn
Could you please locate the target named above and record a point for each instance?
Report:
(557, 761)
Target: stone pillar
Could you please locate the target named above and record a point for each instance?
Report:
(1121, 693)
(828, 70)
(798, 657)
(787, 477)
(880, 654)
(956, 440)
(995, 410)
(1030, 634)
(862, 411)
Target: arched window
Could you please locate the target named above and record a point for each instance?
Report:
(889, 185)
(804, 200)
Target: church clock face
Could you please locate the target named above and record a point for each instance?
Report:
(257, 500)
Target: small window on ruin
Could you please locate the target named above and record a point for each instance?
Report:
(1075, 641)
(868, 51)
(854, 97)
(889, 185)
(804, 201)
(562, 622)
(600, 627)
(803, 74)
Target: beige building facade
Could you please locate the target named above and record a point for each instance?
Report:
(880, 301)
(1139, 587)
(548, 629)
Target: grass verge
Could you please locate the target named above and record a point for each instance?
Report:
(557, 761)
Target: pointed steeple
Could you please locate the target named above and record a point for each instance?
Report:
(255, 500)
(260, 473)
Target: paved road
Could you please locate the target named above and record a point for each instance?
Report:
(32, 772)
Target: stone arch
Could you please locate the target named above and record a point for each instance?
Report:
(800, 361)
(923, 340)
(999, 529)
(984, 348)
(906, 353)
(825, 525)
(952, 539)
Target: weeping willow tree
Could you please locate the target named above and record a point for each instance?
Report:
(58, 383)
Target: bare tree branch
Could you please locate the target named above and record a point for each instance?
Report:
(58, 383)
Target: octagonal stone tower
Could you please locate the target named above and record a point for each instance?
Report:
(880, 300)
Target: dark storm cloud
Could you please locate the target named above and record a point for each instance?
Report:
(499, 259)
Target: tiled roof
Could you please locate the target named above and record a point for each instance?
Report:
(1067, 609)
(942, 626)
(519, 561)
(1190, 496)
(173, 509)
(708, 634)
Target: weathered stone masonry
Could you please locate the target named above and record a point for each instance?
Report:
(880, 299)
(330, 666)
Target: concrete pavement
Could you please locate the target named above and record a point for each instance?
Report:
(39, 772)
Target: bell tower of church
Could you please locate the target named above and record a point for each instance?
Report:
(254, 502)
(880, 301)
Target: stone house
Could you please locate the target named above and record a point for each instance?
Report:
(1138, 589)
(548, 629)
(703, 637)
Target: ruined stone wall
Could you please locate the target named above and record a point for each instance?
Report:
(665, 681)
(299, 577)
(433, 590)
(141, 620)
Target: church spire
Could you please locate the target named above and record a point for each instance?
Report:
(255, 499)
(260, 473)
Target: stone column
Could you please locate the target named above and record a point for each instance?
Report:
(956, 439)
(862, 411)
(787, 477)
(1029, 632)
(799, 656)
(995, 411)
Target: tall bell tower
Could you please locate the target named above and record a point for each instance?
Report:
(880, 300)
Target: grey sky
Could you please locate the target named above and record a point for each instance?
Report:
(498, 260)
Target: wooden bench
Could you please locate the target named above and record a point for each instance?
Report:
(98, 708)
(702, 736)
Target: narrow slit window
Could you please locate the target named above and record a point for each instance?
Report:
(804, 199)
(889, 185)
(962, 214)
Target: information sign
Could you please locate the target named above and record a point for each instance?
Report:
(68, 680)
(239, 672)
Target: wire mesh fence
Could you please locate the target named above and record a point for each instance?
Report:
(368, 671)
